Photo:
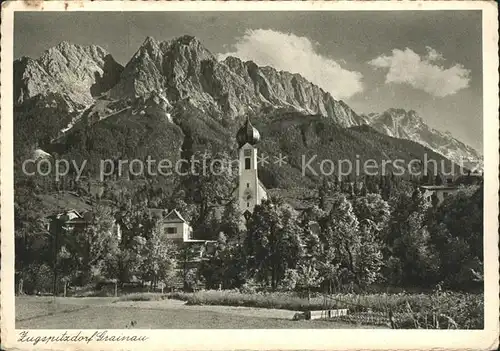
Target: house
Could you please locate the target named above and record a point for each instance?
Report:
(172, 224)
(70, 220)
(174, 227)
(440, 192)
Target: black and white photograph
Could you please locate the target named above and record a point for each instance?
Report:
(281, 169)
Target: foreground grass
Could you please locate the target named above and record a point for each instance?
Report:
(421, 311)
(443, 310)
(289, 301)
(92, 316)
(30, 307)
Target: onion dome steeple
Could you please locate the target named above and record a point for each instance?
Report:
(247, 134)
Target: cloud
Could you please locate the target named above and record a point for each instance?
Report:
(288, 52)
(433, 55)
(423, 72)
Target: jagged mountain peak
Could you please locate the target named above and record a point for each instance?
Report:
(150, 45)
(190, 47)
(150, 41)
(185, 41)
(77, 72)
(64, 46)
(401, 112)
(164, 65)
(410, 115)
(68, 49)
(408, 124)
(183, 67)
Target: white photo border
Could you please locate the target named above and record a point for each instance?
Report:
(311, 339)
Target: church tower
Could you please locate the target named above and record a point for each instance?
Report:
(250, 191)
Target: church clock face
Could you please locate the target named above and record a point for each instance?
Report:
(247, 194)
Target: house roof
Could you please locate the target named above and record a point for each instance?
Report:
(174, 217)
(68, 213)
(72, 217)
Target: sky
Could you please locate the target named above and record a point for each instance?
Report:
(427, 61)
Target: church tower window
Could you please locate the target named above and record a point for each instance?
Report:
(248, 158)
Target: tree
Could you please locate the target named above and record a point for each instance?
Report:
(324, 191)
(225, 267)
(340, 229)
(370, 258)
(309, 222)
(273, 242)
(208, 227)
(93, 244)
(387, 187)
(406, 243)
(372, 210)
(192, 279)
(160, 259)
(186, 255)
(308, 277)
(350, 248)
(231, 222)
(456, 234)
(209, 182)
(289, 281)
(213, 269)
(32, 240)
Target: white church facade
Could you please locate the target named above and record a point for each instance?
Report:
(250, 191)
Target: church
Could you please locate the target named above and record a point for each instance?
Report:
(250, 190)
(248, 193)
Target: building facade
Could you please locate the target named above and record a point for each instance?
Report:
(437, 192)
(172, 225)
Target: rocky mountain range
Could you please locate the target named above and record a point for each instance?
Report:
(78, 73)
(409, 125)
(71, 86)
(185, 68)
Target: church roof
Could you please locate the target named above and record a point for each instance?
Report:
(247, 134)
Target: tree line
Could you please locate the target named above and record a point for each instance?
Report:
(351, 237)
